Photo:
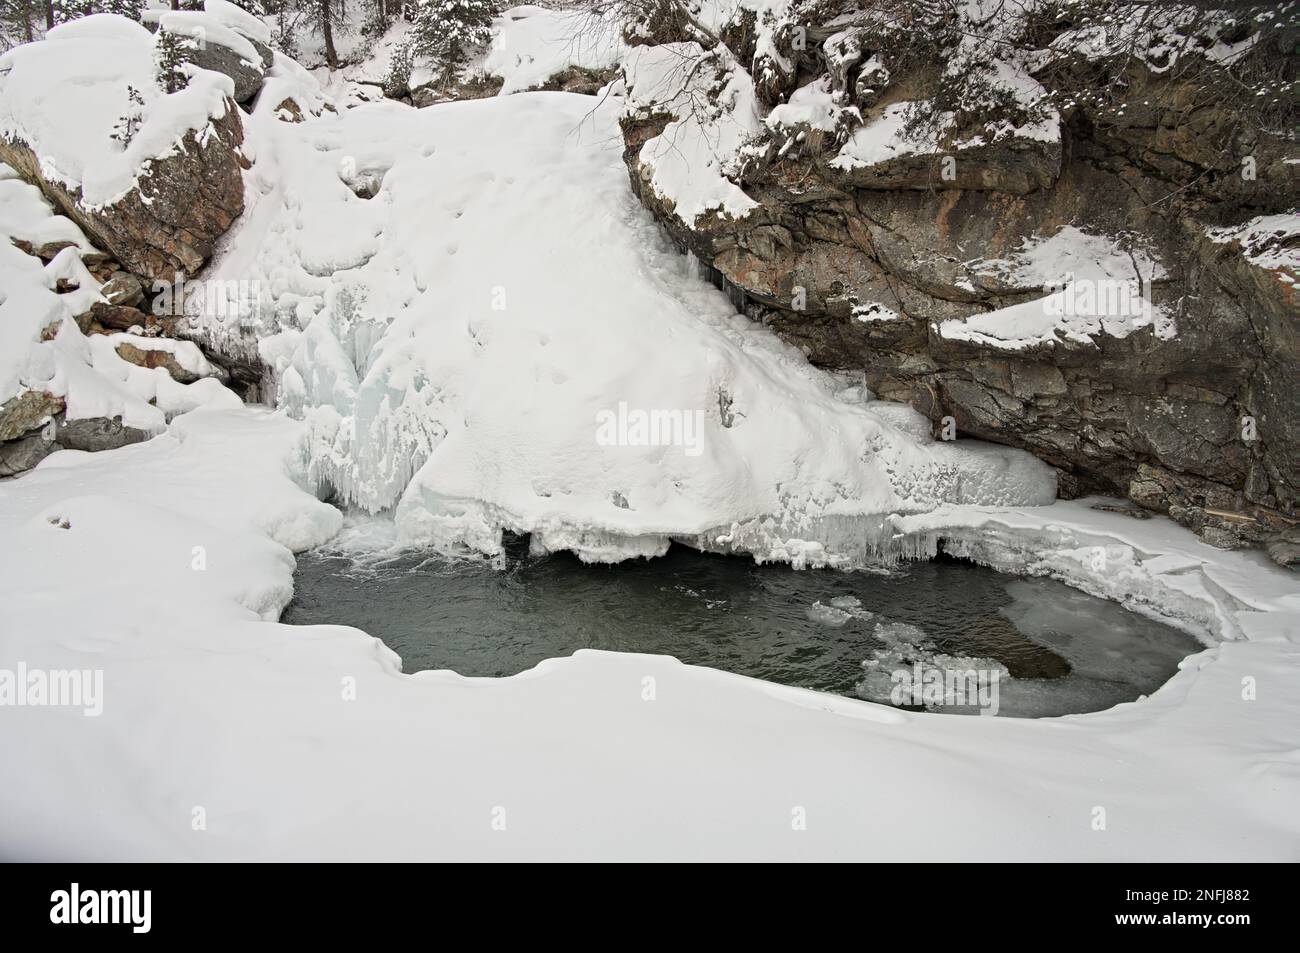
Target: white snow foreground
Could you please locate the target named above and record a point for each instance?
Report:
(226, 735)
(501, 338)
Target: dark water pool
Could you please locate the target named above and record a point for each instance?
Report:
(1050, 649)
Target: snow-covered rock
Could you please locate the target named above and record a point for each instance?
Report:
(155, 178)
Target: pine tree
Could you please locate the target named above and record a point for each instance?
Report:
(66, 10)
(123, 8)
(171, 53)
(18, 20)
(449, 30)
(397, 82)
(125, 128)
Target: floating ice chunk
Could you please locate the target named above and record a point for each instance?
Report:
(831, 615)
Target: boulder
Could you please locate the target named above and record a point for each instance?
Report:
(151, 357)
(214, 45)
(97, 433)
(123, 289)
(171, 221)
(17, 456)
(117, 317)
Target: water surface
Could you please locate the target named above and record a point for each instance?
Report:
(1056, 650)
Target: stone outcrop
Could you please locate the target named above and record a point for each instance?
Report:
(862, 267)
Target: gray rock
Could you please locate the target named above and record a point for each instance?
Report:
(117, 317)
(17, 456)
(97, 433)
(123, 289)
(211, 54)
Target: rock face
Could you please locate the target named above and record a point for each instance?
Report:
(885, 266)
(172, 220)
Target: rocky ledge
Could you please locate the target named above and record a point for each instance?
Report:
(943, 203)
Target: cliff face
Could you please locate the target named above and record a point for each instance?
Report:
(1101, 274)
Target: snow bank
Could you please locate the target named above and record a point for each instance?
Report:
(501, 337)
(812, 106)
(1103, 290)
(64, 97)
(212, 710)
(532, 44)
(886, 137)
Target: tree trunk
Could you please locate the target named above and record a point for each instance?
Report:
(331, 58)
(49, 14)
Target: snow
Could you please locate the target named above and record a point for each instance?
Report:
(25, 215)
(237, 19)
(454, 342)
(1104, 289)
(874, 311)
(287, 79)
(813, 106)
(1071, 254)
(205, 27)
(63, 97)
(886, 137)
(208, 703)
(531, 44)
(714, 113)
(1266, 241)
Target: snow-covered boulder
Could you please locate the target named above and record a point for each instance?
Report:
(153, 177)
(218, 38)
